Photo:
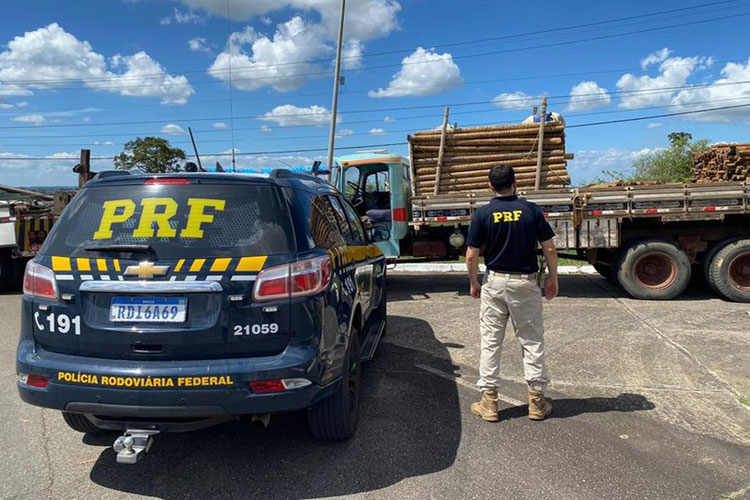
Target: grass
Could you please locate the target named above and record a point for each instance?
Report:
(745, 400)
(461, 260)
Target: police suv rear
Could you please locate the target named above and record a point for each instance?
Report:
(174, 302)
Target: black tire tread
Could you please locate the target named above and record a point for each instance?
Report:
(80, 423)
(718, 273)
(628, 258)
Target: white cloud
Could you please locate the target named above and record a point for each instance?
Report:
(516, 100)
(199, 44)
(86, 119)
(50, 57)
(589, 164)
(33, 119)
(266, 20)
(344, 132)
(104, 143)
(289, 115)
(655, 57)
(220, 125)
(277, 62)
(424, 72)
(180, 17)
(645, 90)
(377, 131)
(22, 104)
(351, 54)
(653, 125)
(588, 95)
(173, 129)
(266, 129)
(365, 19)
(388, 119)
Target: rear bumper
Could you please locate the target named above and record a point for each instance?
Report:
(200, 389)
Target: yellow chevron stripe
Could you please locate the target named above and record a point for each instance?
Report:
(101, 265)
(61, 264)
(116, 263)
(220, 265)
(197, 265)
(179, 265)
(251, 264)
(83, 264)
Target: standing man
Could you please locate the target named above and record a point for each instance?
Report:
(507, 230)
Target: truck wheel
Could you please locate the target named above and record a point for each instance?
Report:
(603, 270)
(654, 270)
(80, 423)
(335, 418)
(729, 270)
(708, 256)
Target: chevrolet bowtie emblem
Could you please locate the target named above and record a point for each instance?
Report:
(146, 270)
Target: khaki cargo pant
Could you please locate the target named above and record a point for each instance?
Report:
(511, 296)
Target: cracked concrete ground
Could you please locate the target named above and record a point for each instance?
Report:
(646, 406)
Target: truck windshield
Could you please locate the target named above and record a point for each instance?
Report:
(179, 221)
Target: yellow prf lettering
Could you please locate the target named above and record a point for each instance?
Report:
(197, 216)
(507, 217)
(513, 216)
(517, 214)
(149, 216)
(110, 216)
(497, 216)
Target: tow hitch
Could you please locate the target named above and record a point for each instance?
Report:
(133, 445)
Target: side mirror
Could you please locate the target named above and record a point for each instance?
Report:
(379, 234)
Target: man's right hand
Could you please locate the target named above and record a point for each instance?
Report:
(551, 287)
(476, 290)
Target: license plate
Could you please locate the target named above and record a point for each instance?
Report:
(151, 309)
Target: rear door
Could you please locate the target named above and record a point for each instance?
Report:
(165, 270)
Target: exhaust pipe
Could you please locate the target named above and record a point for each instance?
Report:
(260, 421)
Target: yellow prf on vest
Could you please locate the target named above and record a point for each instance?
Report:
(513, 216)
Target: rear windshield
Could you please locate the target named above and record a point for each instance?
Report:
(176, 221)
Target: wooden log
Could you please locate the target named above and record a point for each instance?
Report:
(561, 176)
(466, 134)
(485, 176)
(487, 128)
(518, 166)
(467, 158)
(511, 141)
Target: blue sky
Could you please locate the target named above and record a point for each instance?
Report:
(78, 74)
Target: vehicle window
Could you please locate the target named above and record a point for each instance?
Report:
(340, 217)
(323, 224)
(356, 224)
(351, 182)
(377, 183)
(177, 221)
(407, 173)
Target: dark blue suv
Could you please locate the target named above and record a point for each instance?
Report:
(174, 302)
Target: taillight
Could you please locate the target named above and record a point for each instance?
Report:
(39, 281)
(278, 385)
(33, 380)
(298, 279)
(167, 181)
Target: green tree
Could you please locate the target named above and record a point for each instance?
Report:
(673, 164)
(152, 155)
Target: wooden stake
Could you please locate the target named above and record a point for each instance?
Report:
(412, 170)
(543, 118)
(441, 150)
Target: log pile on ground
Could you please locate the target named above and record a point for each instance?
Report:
(469, 153)
(723, 162)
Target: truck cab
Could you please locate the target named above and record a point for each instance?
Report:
(378, 185)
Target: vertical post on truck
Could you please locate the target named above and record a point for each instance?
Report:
(83, 169)
(540, 147)
(441, 151)
(335, 103)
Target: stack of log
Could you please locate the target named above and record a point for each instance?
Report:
(723, 162)
(469, 154)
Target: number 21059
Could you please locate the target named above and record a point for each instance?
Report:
(257, 329)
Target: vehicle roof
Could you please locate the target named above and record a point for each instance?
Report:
(377, 155)
(278, 177)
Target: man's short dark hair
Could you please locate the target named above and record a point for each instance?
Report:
(502, 177)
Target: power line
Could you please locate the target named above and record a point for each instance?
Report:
(464, 56)
(267, 117)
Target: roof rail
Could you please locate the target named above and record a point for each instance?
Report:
(111, 173)
(284, 173)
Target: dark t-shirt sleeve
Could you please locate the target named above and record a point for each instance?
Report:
(544, 230)
(477, 232)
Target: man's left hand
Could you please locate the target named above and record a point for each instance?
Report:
(476, 290)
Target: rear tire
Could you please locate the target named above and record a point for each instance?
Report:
(654, 270)
(729, 270)
(604, 270)
(336, 417)
(80, 423)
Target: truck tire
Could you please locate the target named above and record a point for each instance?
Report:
(604, 270)
(80, 423)
(654, 270)
(729, 270)
(336, 417)
(708, 256)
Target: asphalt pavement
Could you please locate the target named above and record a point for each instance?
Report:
(646, 397)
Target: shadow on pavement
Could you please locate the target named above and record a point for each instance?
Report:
(410, 425)
(571, 407)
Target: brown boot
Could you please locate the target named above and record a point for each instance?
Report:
(486, 408)
(539, 407)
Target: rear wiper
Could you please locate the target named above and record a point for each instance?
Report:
(122, 248)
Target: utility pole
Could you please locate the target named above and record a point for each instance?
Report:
(540, 149)
(334, 105)
(195, 148)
